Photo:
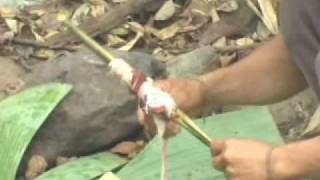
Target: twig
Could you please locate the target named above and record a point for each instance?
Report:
(35, 44)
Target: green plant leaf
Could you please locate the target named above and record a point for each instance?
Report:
(85, 168)
(20, 118)
(189, 159)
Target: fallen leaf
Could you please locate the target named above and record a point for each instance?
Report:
(167, 32)
(127, 148)
(37, 36)
(221, 42)
(227, 6)
(263, 32)
(50, 33)
(214, 15)
(136, 27)
(36, 165)
(131, 43)
(114, 41)
(44, 53)
(226, 60)
(7, 12)
(162, 55)
(244, 41)
(268, 14)
(167, 10)
(97, 7)
(109, 176)
(313, 127)
(12, 25)
(120, 31)
(79, 13)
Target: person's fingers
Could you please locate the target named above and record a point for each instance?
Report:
(147, 121)
(165, 85)
(217, 147)
(219, 163)
(172, 129)
(141, 115)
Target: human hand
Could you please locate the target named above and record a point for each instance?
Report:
(189, 96)
(242, 159)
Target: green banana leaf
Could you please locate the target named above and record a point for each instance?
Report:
(189, 159)
(85, 168)
(20, 118)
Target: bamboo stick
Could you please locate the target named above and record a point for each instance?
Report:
(183, 119)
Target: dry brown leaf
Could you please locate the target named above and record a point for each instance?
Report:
(244, 41)
(226, 60)
(128, 148)
(162, 55)
(7, 12)
(50, 33)
(12, 25)
(267, 14)
(98, 7)
(313, 127)
(44, 53)
(214, 15)
(167, 32)
(114, 41)
(167, 10)
(136, 27)
(221, 42)
(120, 31)
(227, 6)
(79, 13)
(36, 165)
(38, 37)
(263, 32)
(132, 42)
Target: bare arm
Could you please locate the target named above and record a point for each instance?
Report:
(297, 160)
(264, 77)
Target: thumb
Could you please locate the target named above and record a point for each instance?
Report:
(217, 147)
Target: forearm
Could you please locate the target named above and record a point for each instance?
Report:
(266, 76)
(297, 160)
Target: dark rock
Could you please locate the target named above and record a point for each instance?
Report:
(194, 63)
(10, 76)
(99, 112)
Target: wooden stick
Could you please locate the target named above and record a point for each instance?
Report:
(99, 25)
(35, 44)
